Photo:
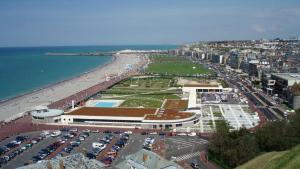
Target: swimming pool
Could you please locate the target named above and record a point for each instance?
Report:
(106, 103)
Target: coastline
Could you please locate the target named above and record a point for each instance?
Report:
(14, 107)
(58, 82)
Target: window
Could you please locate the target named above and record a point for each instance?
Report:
(40, 118)
(105, 120)
(178, 125)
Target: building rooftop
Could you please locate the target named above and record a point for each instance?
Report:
(175, 104)
(288, 76)
(75, 161)
(145, 159)
(122, 112)
(168, 114)
(46, 112)
(201, 85)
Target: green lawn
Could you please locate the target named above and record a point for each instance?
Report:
(171, 65)
(275, 160)
(151, 100)
(143, 91)
(130, 102)
(144, 83)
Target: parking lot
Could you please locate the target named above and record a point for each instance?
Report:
(231, 98)
(32, 147)
(111, 152)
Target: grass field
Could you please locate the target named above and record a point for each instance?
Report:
(171, 65)
(143, 91)
(275, 160)
(153, 101)
(148, 82)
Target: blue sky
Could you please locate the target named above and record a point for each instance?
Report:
(117, 22)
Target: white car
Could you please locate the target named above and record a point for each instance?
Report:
(81, 138)
(128, 132)
(181, 134)
(73, 130)
(33, 141)
(86, 131)
(45, 134)
(55, 133)
(95, 131)
(149, 140)
(61, 141)
(153, 133)
(98, 145)
(16, 142)
(192, 134)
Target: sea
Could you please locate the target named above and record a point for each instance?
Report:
(26, 69)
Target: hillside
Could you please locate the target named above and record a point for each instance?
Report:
(275, 160)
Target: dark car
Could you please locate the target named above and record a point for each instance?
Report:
(161, 133)
(22, 138)
(10, 145)
(107, 131)
(144, 133)
(90, 156)
(195, 165)
(65, 129)
(107, 160)
(117, 132)
(2, 150)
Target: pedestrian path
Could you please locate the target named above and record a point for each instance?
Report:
(187, 156)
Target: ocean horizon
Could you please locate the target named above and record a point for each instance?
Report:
(26, 69)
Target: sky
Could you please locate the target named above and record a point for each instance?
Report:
(133, 22)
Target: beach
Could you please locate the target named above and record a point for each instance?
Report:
(14, 107)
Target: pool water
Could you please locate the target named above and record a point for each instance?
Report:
(106, 104)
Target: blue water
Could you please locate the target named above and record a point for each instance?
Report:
(106, 104)
(24, 69)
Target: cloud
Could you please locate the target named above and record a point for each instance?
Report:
(258, 28)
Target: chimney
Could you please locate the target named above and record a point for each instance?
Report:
(49, 166)
(73, 104)
(145, 157)
(61, 164)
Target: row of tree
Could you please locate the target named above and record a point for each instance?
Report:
(237, 147)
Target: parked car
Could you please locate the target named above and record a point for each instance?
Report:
(195, 165)
(95, 131)
(192, 134)
(90, 156)
(128, 132)
(153, 133)
(181, 134)
(45, 134)
(144, 133)
(55, 133)
(86, 131)
(65, 129)
(73, 130)
(98, 145)
(107, 131)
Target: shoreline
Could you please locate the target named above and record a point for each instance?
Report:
(58, 82)
(15, 107)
